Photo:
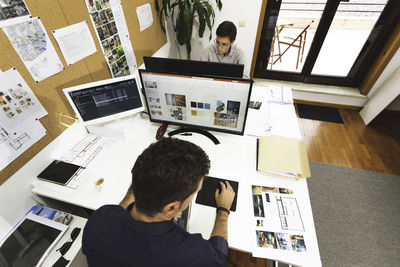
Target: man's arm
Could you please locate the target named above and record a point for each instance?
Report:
(224, 199)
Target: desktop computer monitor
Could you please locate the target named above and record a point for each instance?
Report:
(107, 100)
(200, 102)
(193, 67)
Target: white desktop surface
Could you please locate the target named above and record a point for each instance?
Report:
(233, 159)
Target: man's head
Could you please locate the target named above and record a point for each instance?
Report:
(167, 171)
(226, 36)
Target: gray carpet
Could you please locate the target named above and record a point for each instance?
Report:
(356, 215)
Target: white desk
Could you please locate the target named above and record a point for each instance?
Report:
(233, 159)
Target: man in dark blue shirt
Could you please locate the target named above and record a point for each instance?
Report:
(165, 179)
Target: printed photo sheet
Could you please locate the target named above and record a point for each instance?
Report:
(109, 21)
(75, 42)
(18, 104)
(20, 112)
(13, 11)
(33, 45)
(279, 230)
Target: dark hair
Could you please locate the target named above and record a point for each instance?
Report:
(168, 170)
(227, 29)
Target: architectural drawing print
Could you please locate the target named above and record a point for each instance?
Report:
(18, 142)
(289, 213)
(29, 39)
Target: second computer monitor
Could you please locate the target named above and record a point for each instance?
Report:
(210, 103)
(193, 67)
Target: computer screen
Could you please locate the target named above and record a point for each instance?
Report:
(105, 100)
(218, 104)
(193, 67)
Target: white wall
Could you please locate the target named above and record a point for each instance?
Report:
(382, 97)
(387, 72)
(235, 11)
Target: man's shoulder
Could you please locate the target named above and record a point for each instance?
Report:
(236, 49)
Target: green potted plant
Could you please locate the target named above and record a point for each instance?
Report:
(183, 13)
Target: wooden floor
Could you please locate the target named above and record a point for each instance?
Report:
(375, 147)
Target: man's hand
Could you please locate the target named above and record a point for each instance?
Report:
(225, 197)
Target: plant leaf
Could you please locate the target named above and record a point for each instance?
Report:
(219, 4)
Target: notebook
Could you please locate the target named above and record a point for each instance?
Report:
(59, 172)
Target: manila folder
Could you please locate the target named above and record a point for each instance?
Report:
(283, 156)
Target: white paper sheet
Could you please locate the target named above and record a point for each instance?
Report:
(280, 231)
(33, 45)
(108, 18)
(75, 42)
(13, 11)
(20, 112)
(145, 16)
(15, 141)
(17, 101)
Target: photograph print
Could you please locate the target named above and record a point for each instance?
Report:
(258, 206)
(266, 239)
(12, 9)
(283, 241)
(175, 100)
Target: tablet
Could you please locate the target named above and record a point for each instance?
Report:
(59, 172)
(30, 241)
(206, 196)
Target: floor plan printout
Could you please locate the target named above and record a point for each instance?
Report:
(279, 231)
(33, 45)
(20, 112)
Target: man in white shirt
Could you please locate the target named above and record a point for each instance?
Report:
(224, 50)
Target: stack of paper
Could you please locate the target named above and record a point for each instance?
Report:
(282, 156)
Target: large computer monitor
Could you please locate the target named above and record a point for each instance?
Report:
(193, 67)
(210, 103)
(107, 100)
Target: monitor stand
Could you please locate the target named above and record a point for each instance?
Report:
(115, 129)
(194, 130)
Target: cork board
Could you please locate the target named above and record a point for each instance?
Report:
(55, 15)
